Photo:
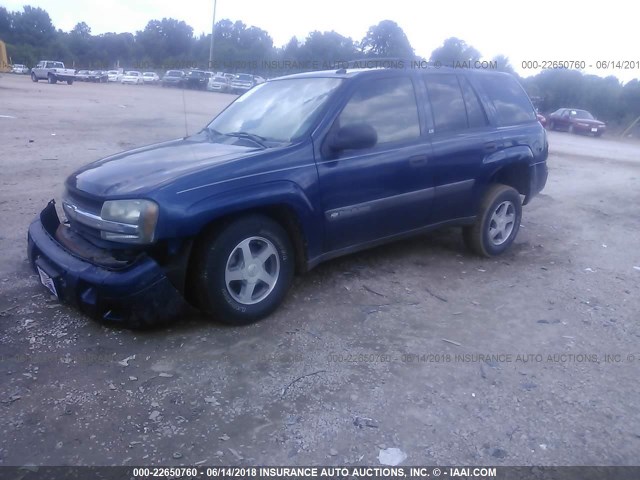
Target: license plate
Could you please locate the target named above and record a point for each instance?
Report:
(47, 281)
(594, 130)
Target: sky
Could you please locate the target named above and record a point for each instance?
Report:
(540, 31)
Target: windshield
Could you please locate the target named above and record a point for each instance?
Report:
(245, 78)
(581, 114)
(174, 73)
(279, 111)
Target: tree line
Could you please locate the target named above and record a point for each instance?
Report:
(169, 43)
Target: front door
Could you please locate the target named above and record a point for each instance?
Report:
(378, 192)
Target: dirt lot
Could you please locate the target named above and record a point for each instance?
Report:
(377, 350)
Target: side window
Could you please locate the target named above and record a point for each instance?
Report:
(388, 105)
(447, 104)
(510, 100)
(475, 112)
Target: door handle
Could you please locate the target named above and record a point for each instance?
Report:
(418, 160)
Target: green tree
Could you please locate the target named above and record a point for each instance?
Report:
(386, 39)
(166, 40)
(504, 65)
(326, 48)
(32, 26)
(454, 50)
(5, 25)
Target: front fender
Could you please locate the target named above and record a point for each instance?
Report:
(190, 220)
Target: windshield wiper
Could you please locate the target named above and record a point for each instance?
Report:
(257, 139)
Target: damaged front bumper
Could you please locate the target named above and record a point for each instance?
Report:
(137, 294)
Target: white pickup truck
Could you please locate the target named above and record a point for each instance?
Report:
(53, 72)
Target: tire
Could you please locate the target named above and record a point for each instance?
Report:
(52, 80)
(69, 82)
(230, 290)
(34, 79)
(493, 233)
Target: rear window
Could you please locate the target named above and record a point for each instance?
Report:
(509, 99)
(447, 104)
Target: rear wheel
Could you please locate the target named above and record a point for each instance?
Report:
(498, 222)
(244, 270)
(69, 82)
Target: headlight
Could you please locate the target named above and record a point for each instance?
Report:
(142, 215)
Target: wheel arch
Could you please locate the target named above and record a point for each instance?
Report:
(512, 167)
(283, 214)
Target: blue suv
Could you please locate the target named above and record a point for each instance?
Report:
(297, 171)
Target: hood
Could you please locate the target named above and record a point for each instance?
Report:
(140, 170)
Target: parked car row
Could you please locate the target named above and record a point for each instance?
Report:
(193, 79)
(97, 76)
(214, 82)
(238, 84)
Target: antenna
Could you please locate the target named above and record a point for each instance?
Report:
(184, 108)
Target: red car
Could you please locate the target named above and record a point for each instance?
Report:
(573, 120)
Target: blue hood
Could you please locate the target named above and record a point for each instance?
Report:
(143, 169)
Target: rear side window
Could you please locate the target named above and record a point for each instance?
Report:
(511, 102)
(388, 105)
(447, 103)
(475, 112)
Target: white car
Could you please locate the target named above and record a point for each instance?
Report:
(132, 77)
(150, 77)
(218, 83)
(114, 75)
(19, 68)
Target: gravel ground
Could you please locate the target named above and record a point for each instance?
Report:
(532, 358)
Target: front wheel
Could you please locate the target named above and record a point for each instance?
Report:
(498, 222)
(244, 271)
(69, 82)
(34, 78)
(52, 80)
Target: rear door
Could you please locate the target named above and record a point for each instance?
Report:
(378, 192)
(461, 138)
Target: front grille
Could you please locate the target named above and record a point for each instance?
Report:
(84, 202)
(87, 204)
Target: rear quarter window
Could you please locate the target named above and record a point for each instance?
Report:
(509, 99)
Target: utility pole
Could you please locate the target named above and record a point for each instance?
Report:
(213, 31)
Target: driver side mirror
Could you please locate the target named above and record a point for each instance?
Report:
(353, 137)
